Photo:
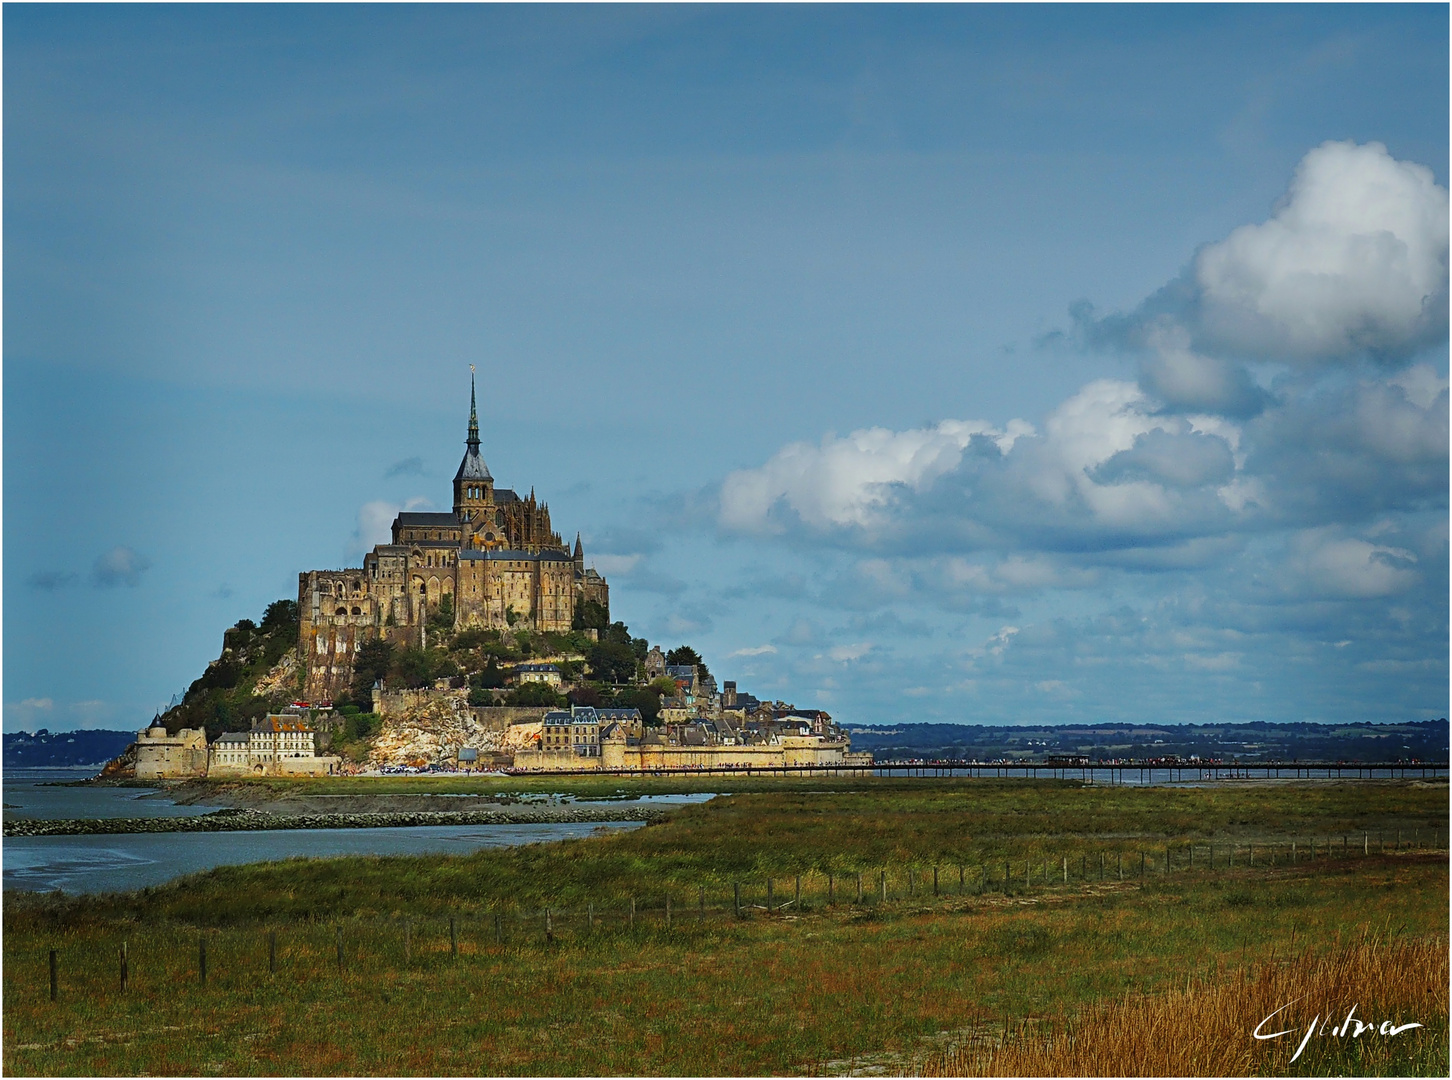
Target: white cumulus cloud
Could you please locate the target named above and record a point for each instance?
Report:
(375, 520)
(847, 481)
(1354, 261)
(1344, 567)
(757, 650)
(615, 564)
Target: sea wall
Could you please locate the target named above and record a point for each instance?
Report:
(252, 820)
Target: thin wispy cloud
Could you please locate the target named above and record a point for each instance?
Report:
(410, 466)
(51, 580)
(119, 566)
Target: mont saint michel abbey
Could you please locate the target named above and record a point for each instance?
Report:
(494, 558)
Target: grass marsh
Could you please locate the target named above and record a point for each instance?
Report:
(816, 986)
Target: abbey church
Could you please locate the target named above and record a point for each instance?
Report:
(495, 560)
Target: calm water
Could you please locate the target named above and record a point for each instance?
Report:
(80, 864)
(32, 793)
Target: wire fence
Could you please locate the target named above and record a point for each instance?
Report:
(355, 946)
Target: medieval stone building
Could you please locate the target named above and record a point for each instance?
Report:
(495, 560)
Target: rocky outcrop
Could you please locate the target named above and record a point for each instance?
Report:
(252, 820)
(436, 726)
(282, 678)
(120, 768)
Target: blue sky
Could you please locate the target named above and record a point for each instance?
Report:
(1020, 364)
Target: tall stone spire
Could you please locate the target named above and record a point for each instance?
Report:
(473, 439)
(473, 486)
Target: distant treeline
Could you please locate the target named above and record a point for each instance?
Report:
(1259, 741)
(62, 748)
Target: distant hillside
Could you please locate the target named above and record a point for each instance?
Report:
(1421, 741)
(63, 748)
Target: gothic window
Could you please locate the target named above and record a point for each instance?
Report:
(341, 611)
(356, 611)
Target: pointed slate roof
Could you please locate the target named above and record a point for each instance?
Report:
(473, 467)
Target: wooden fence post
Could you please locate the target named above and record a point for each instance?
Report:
(668, 911)
(54, 977)
(1141, 865)
(983, 879)
(1006, 876)
(1366, 843)
(831, 895)
(454, 934)
(859, 887)
(702, 916)
(736, 895)
(1066, 869)
(124, 972)
(1119, 863)
(202, 959)
(1167, 859)
(340, 948)
(883, 880)
(961, 886)
(911, 882)
(590, 916)
(935, 881)
(272, 952)
(797, 895)
(549, 928)
(632, 913)
(770, 903)
(498, 928)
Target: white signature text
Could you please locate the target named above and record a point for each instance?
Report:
(1349, 1028)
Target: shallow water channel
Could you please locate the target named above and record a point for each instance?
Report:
(117, 862)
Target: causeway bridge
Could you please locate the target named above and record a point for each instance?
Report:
(1128, 773)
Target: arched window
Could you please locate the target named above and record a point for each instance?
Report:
(341, 611)
(356, 611)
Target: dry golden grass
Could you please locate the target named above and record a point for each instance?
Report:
(1207, 1029)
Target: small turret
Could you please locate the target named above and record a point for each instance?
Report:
(579, 557)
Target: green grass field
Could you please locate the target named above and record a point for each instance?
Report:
(820, 984)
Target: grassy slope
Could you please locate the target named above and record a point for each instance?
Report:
(768, 994)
